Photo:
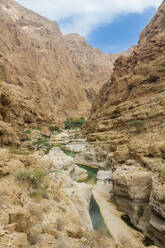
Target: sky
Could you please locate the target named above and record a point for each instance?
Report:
(112, 25)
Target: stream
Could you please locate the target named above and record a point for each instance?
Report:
(94, 210)
(105, 217)
(92, 173)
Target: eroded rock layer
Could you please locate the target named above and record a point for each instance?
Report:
(92, 66)
(37, 67)
(45, 77)
(128, 121)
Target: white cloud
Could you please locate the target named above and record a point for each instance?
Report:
(83, 16)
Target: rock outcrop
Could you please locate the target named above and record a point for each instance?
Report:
(48, 215)
(38, 80)
(132, 188)
(93, 66)
(45, 77)
(127, 120)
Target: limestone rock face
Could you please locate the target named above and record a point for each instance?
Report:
(127, 116)
(104, 175)
(45, 77)
(8, 136)
(91, 157)
(141, 195)
(37, 68)
(60, 216)
(92, 66)
(132, 187)
(60, 161)
(157, 212)
(21, 217)
(127, 120)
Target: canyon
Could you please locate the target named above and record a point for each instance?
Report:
(127, 123)
(53, 180)
(41, 73)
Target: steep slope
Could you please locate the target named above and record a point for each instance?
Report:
(36, 65)
(128, 121)
(93, 66)
(136, 89)
(45, 76)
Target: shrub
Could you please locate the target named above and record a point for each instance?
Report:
(28, 131)
(136, 123)
(69, 153)
(39, 141)
(42, 143)
(55, 129)
(33, 178)
(74, 123)
(48, 147)
(35, 128)
(20, 152)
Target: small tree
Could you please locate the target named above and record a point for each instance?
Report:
(74, 123)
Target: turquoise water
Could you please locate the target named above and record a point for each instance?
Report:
(96, 218)
(94, 210)
(92, 173)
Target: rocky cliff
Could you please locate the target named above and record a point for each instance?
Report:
(93, 66)
(36, 68)
(128, 121)
(44, 76)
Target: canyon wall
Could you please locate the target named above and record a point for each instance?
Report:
(45, 77)
(36, 68)
(128, 121)
(92, 66)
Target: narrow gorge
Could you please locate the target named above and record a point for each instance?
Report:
(82, 137)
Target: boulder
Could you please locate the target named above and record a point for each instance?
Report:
(80, 196)
(76, 146)
(154, 164)
(92, 157)
(45, 132)
(21, 216)
(104, 175)
(59, 159)
(78, 174)
(4, 155)
(132, 188)
(19, 240)
(8, 135)
(65, 243)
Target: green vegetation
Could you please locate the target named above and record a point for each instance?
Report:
(20, 151)
(43, 144)
(39, 141)
(136, 123)
(48, 147)
(69, 153)
(55, 129)
(28, 131)
(74, 123)
(92, 173)
(35, 128)
(35, 179)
